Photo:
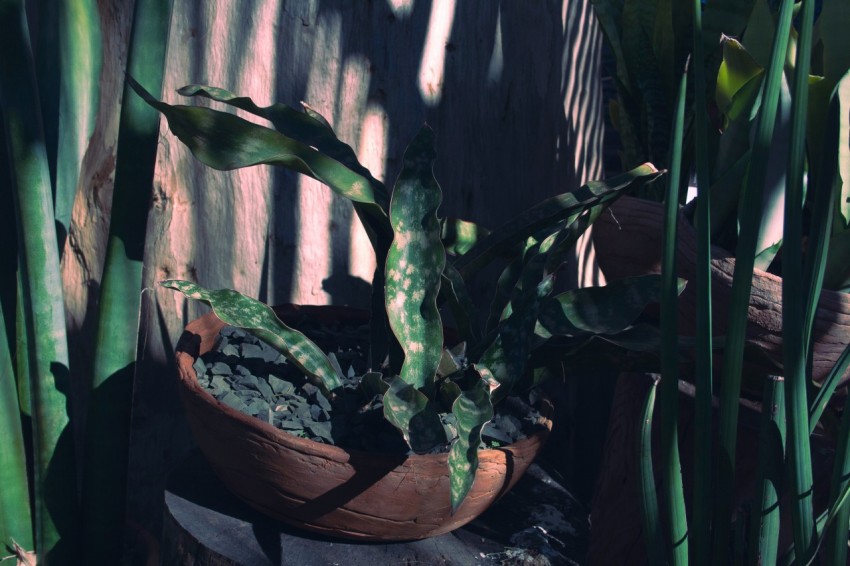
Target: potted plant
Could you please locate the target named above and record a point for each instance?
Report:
(423, 264)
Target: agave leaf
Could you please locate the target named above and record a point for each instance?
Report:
(601, 310)
(236, 309)
(460, 235)
(415, 264)
(473, 409)
(308, 127)
(410, 411)
(549, 212)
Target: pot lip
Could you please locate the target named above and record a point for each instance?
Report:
(198, 337)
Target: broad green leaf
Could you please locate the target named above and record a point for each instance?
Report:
(473, 410)
(236, 309)
(549, 212)
(738, 72)
(460, 235)
(601, 310)
(412, 413)
(308, 127)
(224, 141)
(415, 264)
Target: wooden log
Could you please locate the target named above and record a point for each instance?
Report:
(628, 242)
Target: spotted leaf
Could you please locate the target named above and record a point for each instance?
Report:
(410, 411)
(236, 309)
(415, 265)
(473, 409)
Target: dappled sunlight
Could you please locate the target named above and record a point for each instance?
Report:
(401, 8)
(497, 59)
(432, 66)
(372, 153)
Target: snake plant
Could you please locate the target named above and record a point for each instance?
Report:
(424, 263)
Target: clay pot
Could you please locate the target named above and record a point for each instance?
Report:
(327, 489)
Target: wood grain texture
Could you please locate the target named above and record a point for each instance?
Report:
(628, 242)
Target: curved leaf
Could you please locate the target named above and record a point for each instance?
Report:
(308, 127)
(601, 310)
(415, 264)
(473, 410)
(549, 212)
(236, 309)
(410, 411)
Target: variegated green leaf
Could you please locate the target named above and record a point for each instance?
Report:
(236, 309)
(308, 127)
(601, 310)
(473, 410)
(415, 264)
(410, 411)
(549, 213)
(503, 363)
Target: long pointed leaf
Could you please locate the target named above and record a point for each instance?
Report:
(650, 515)
(117, 324)
(701, 521)
(549, 213)
(674, 498)
(795, 348)
(15, 516)
(473, 410)
(224, 141)
(765, 518)
(415, 264)
(308, 128)
(44, 320)
(236, 309)
(741, 286)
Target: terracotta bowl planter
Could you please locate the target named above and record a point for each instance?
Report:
(327, 489)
